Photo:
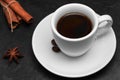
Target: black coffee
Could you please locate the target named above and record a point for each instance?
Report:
(74, 25)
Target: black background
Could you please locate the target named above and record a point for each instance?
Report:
(29, 68)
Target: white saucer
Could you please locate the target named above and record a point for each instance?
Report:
(94, 60)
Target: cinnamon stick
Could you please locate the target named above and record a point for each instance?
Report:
(10, 16)
(16, 7)
(19, 18)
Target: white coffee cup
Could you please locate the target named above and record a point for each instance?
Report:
(78, 46)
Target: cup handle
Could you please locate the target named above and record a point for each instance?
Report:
(106, 19)
(104, 23)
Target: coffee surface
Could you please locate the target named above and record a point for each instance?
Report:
(74, 25)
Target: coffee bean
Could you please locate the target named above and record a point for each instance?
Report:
(53, 42)
(55, 49)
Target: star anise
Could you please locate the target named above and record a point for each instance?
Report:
(13, 55)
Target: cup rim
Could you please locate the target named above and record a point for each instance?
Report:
(74, 39)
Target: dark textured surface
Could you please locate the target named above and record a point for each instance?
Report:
(29, 68)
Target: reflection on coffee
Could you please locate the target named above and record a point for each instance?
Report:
(74, 25)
